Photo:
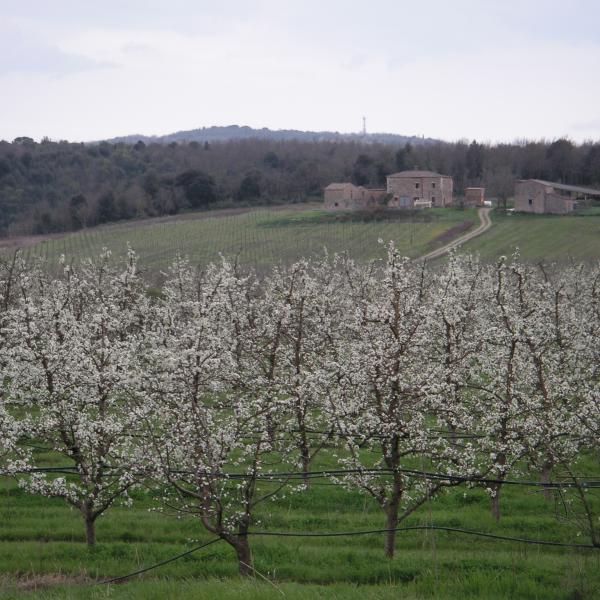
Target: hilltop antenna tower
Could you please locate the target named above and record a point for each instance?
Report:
(364, 130)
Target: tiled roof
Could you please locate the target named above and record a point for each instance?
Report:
(417, 174)
(568, 188)
(339, 186)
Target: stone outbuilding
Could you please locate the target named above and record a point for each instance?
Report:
(545, 197)
(419, 189)
(474, 196)
(347, 196)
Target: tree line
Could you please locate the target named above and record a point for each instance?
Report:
(219, 393)
(60, 186)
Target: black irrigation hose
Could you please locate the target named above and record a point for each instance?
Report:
(423, 528)
(300, 475)
(354, 534)
(160, 564)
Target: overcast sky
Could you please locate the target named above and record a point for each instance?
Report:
(491, 70)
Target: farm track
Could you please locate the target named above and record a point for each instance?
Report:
(485, 222)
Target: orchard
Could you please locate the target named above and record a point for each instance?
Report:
(219, 393)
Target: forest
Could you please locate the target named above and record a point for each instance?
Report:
(54, 186)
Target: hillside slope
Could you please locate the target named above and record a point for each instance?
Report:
(551, 238)
(259, 237)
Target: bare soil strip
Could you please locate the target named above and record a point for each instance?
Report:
(33, 582)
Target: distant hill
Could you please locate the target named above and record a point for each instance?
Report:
(235, 132)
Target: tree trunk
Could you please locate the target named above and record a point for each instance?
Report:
(271, 431)
(545, 478)
(305, 455)
(244, 556)
(90, 530)
(391, 524)
(496, 501)
(500, 464)
(453, 436)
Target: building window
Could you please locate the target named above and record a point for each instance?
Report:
(530, 201)
(416, 186)
(433, 185)
(432, 199)
(336, 204)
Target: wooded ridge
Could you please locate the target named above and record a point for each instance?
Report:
(60, 186)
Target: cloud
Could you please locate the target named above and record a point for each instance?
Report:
(189, 16)
(593, 125)
(136, 49)
(354, 61)
(22, 54)
(450, 70)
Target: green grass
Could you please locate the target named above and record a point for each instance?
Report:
(541, 237)
(263, 237)
(42, 554)
(260, 237)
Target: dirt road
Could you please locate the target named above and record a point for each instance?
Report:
(484, 224)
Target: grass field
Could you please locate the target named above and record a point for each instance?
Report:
(260, 237)
(42, 554)
(549, 237)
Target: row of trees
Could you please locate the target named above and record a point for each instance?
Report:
(58, 186)
(219, 394)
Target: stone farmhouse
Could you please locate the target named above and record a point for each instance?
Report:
(407, 189)
(546, 197)
(419, 189)
(347, 196)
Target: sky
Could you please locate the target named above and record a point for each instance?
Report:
(490, 70)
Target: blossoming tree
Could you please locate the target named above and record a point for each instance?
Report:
(72, 347)
(208, 377)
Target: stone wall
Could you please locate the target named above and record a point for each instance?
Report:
(351, 197)
(407, 190)
(559, 205)
(530, 197)
(539, 198)
(474, 196)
